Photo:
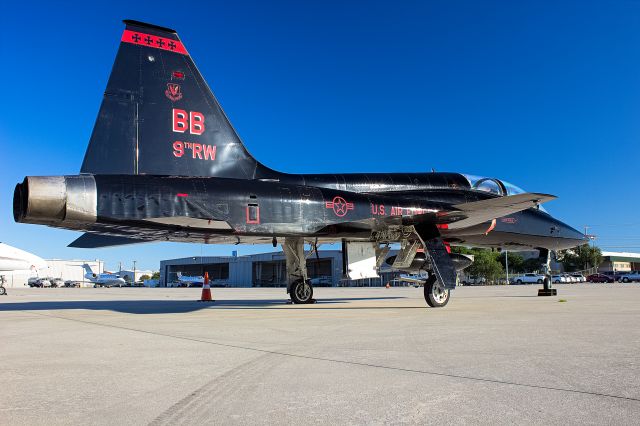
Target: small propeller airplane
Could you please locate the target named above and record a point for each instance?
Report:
(165, 164)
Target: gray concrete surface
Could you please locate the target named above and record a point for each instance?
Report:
(496, 355)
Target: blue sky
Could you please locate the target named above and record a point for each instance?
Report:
(545, 95)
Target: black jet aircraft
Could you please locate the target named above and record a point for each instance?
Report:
(165, 164)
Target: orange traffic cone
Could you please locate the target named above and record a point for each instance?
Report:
(206, 290)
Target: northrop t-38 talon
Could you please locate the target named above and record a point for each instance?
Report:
(165, 164)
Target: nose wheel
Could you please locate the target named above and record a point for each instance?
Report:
(301, 292)
(435, 294)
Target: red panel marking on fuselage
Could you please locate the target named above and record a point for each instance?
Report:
(148, 40)
(493, 225)
(255, 221)
(182, 194)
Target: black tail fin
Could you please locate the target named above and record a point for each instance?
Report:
(159, 117)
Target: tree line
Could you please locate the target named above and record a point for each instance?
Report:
(491, 264)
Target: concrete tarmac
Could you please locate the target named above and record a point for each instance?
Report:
(498, 355)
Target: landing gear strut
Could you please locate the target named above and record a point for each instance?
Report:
(298, 285)
(546, 290)
(435, 293)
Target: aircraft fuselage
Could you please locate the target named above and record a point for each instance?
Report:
(219, 210)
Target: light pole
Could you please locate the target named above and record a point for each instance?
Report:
(134, 272)
(506, 263)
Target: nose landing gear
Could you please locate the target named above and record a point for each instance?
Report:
(546, 290)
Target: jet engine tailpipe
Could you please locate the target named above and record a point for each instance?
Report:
(63, 201)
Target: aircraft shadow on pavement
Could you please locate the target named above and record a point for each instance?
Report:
(184, 306)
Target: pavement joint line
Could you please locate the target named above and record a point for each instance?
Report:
(339, 361)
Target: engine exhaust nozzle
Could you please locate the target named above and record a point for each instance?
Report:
(64, 201)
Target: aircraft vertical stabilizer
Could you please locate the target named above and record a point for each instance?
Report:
(159, 117)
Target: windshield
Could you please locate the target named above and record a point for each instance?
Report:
(512, 189)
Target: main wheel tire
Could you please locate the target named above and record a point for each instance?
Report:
(301, 292)
(540, 281)
(435, 294)
(3, 291)
(519, 282)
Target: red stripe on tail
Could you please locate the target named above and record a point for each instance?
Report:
(148, 40)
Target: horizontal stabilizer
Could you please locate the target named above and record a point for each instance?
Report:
(89, 240)
(476, 212)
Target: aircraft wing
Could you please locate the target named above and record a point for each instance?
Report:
(91, 240)
(476, 212)
(95, 240)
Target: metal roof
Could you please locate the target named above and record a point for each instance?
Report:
(621, 256)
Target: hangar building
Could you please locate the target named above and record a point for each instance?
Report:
(261, 270)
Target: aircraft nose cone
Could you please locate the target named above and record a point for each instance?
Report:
(565, 231)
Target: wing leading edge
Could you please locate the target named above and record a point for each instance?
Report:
(477, 212)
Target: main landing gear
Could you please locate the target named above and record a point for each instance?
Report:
(301, 292)
(298, 284)
(443, 275)
(435, 293)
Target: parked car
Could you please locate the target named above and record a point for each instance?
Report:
(630, 277)
(528, 279)
(579, 277)
(557, 279)
(599, 278)
(473, 280)
(43, 282)
(57, 282)
(570, 278)
(617, 276)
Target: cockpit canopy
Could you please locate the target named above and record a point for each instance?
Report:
(494, 186)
